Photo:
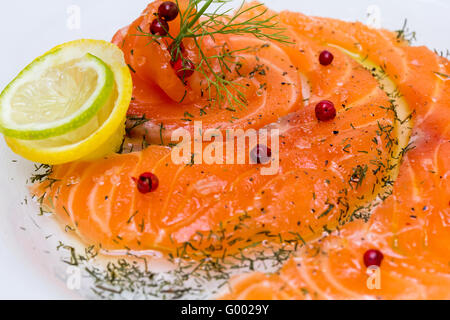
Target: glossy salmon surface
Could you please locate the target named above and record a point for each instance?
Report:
(411, 227)
(167, 102)
(376, 176)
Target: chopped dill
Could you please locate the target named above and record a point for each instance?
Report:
(358, 175)
(132, 216)
(404, 34)
(442, 53)
(131, 68)
(41, 173)
(136, 122)
(443, 75)
(327, 211)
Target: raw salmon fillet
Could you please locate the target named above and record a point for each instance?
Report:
(158, 92)
(331, 174)
(411, 227)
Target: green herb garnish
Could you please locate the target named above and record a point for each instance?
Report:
(197, 23)
(404, 34)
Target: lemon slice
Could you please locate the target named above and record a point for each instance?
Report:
(57, 93)
(103, 133)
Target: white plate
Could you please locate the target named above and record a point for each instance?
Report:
(30, 268)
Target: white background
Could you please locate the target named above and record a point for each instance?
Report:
(29, 28)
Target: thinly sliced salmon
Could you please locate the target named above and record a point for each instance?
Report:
(412, 225)
(410, 229)
(168, 103)
(326, 171)
(329, 172)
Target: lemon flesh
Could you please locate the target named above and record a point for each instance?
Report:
(103, 133)
(55, 94)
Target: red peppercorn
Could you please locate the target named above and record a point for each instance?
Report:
(261, 154)
(168, 10)
(184, 68)
(325, 110)
(147, 182)
(176, 50)
(373, 257)
(160, 27)
(326, 58)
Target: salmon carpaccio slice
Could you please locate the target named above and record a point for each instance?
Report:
(411, 227)
(319, 184)
(328, 171)
(167, 103)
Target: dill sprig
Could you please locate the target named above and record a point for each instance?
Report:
(41, 173)
(197, 23)
(404, 34)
